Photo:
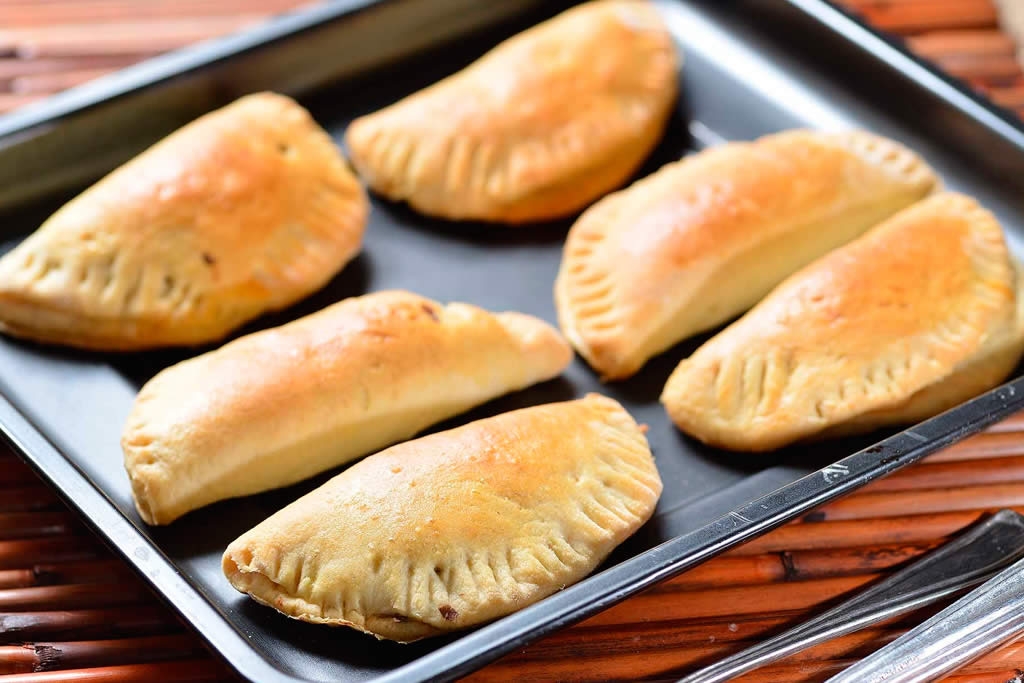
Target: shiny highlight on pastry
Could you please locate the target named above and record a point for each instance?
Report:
(705, 238)
(281, 405)
(918, 315)
(246, 210)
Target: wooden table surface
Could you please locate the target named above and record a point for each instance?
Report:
(69, 610)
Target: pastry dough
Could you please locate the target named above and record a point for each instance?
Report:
(245, 210)
(456, 528)
(537, 128)
(705, 238)
(916, 316)
(281, 405)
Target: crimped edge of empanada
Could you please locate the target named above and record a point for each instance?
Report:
(896, 158)
(502, 175)
(384, 331)
(995, 360)
(260, 574)
(107, 301)
(589, 313)
(886, 386)
(250, 576)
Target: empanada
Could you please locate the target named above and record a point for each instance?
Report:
(705, 238)
(537, 128)
(245, 210)
(916, 316)
(456, 528)
(278, 406)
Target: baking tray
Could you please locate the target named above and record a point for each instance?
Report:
(752, 67)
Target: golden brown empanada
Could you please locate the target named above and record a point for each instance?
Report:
(245, 210)
(456, 528)
(914, 317)
(281, 405)
(537, 128)
(705, 238)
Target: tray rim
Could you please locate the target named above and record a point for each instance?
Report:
(893, 51)
(598, 591)
(173, 64)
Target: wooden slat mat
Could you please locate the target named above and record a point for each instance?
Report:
(69, 610)
(786, 576)
(67, 604)
(961, 36)
(49, 45)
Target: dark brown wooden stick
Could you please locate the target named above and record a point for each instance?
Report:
(98, 571)
(17, 578)
(183, 671)
(35, 13)
(18, 554)
(612, 661)
(986, 68)
(917, 17)
(95, 623)
(1014, 423)
(952, 474)
(55, 82)
(11, 68)
(14, 473)
(54, 656)
(16, 659)
(919, 5)
(33, 524)
(605, 650)
(685, 633)
(861, 533)
(795, 565)
(721, 602)
(592, 646)
(946, 43)
(984, 445)
(1011, 98)
(691, 632)
(832, 562)
(662, 642)
(931, 501)
(32, 497)
(121, 38)
(72, 596)
(752, 569)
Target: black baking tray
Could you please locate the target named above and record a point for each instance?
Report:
(752, 67)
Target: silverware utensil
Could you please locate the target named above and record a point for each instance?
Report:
(973, 557)
(980, 621)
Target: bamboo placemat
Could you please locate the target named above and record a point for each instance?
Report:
(49, 45)
(69, 610)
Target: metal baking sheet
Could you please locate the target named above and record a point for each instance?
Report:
(751, 68)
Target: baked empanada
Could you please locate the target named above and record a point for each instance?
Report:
(278, 406)
(245, 210)
(914, 317)
(537, 128)
(703, 239)
(456, 528)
